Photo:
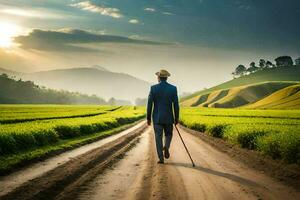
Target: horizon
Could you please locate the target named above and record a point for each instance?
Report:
(138, 38)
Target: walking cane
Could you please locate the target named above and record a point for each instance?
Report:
(185, 146)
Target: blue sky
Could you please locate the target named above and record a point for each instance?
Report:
(204, 33)
(245, 24)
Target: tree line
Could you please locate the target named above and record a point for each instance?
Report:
(281, 61)
(19, 91)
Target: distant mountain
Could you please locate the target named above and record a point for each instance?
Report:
(95, 80)
(290, 73)
(100, 68)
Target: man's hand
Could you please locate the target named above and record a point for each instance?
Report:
(149, 122)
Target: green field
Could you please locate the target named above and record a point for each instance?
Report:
(273, 132)
(31, 131)
(24, 113)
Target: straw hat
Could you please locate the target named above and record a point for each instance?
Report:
(163, 73)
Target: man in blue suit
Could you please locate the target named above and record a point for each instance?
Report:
(163, 99)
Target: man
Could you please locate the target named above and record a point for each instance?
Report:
(163, 96)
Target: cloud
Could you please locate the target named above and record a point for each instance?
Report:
(242, 5)
(137, 37)
(134, 21)
(33, 13)
(89, 6)
(150, 9)
(70, 40)
(167, 13)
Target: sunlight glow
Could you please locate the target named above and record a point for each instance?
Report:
(20, 12)
(7, 32)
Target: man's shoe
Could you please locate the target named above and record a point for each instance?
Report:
(167, 153)
(160, 162)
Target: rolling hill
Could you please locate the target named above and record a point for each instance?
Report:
(245, 90)
(291, 73)
(95, 80)
(237, 96)
(285, 98)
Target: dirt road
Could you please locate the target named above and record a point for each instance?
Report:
(124, 167)
(216, 176)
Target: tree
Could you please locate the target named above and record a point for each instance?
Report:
(112, 101)
(284, 61)
(252, 68)
(297, 61)
(240, 70)
(233, 74)
(269, 64)
(4, 76)
(262, 63)
(252, 64)
(18, 91)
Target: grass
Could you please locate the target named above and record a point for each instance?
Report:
(32, 132)
(12, 161)
(273, 132)
(214, 97)
(288, 97)
(18, 137)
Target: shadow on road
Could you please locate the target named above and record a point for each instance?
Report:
(217, 173)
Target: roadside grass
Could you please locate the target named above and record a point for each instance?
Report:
(275, 133)
(11, 162)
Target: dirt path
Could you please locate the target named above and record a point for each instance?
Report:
(16, 179)
(216, 176)
(126, 168)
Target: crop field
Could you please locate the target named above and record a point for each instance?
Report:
(23, 113)
(24, 129)
(273, 132)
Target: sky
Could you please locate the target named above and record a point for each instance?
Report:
(199, 41)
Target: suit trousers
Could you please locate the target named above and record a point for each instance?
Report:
(158, 130)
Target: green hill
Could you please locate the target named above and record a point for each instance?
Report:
(291, 73)
(237, 96)
(26, 92)
(288, 97)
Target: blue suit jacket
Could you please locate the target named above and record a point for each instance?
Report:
(164, 98)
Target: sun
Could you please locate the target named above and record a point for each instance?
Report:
(7, 32)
